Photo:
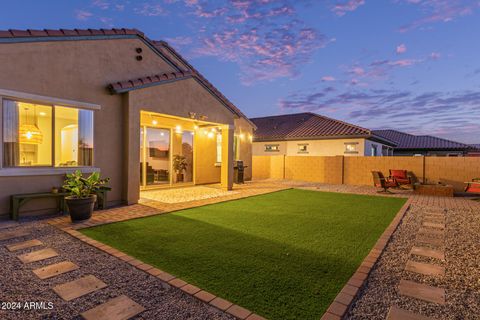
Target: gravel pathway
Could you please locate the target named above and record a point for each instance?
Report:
(18, 283)
(461, 280)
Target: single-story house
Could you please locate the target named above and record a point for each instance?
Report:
(310, 134)
(425, 145)
(112, 101)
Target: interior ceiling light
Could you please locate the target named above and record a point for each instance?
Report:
(30, 133)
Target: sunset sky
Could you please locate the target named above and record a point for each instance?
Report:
(412, 65)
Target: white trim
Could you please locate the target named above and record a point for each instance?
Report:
(49, 100)
(14, 172)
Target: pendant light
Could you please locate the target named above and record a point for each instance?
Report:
(30, 133)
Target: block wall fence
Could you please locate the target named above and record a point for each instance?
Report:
(357, 170)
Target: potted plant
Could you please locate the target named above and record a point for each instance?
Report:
(82, 194)
(179, 165)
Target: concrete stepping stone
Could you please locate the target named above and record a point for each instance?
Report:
(38, 255)
(434, 225)
(399, 314)
(425, 268)
(13, 234)
(427, 252)
(80, 287)
(429, 240)
(24, 245)
(435, 232)
(119, 308)
(422, 291)
(55, 269)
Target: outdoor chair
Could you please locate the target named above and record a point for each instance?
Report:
(473, 186)
(380, 181)
(401, 176)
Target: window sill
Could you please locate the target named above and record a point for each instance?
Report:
(14, 172)
(351, 152)
(218, 164)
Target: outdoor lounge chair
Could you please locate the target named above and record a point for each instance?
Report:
(473, 186)
(380, 181)
(401, 176)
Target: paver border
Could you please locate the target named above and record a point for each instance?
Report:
(344, 300)
(190, 289)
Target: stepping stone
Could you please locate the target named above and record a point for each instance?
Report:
(77, 288)
(24, 245)
(429, 240)
(38, 255)
(119, 308)
(427, 252)
(399, 314)
(13, 234)
(422, 291)
(55, 269)
(434, 232)
(425, 268)
(434, 225)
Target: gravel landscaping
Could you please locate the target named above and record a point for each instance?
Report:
(461, 280)
(18, 283)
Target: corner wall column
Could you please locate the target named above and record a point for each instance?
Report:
(227, 157)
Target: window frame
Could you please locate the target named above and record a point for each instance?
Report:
(346, 151)
(50, 102)
(273, 145)
(299, 145)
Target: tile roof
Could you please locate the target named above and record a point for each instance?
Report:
(410, 141)
(123, 86)
(304, 126)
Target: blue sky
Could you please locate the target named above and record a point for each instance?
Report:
(412, 65)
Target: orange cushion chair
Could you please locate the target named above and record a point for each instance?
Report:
(400, 176)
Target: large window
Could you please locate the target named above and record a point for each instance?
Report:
(46, 135)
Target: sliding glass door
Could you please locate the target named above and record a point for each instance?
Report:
(155, 156)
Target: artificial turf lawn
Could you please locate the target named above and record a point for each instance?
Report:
(283, 255)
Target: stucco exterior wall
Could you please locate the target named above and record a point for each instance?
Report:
(81, 70)
(327, 147)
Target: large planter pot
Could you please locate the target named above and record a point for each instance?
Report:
(80, 209)
(179, 177)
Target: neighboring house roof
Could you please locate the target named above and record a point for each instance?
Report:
(159, 47)
(308, 125)
(424, 142)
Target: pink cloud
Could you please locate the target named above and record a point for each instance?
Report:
(435, 55)
(150, 10)
(340, 9)
(436, 11)
(404, 62)
(401, 48)
(83, 15)
(328, 78)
